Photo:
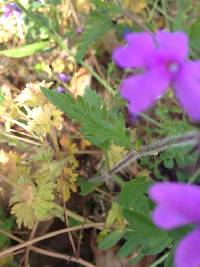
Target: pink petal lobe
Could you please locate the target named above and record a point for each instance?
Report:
(173, 44)
(188, 251)
(179, 201)
(141, 91)
(167, 219)
(187, 89)
(134, 54)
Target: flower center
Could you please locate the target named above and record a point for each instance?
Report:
(173, 67)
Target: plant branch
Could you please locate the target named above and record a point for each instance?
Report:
(10, 250)
(46, 252)
(26, 257)
(181, 140)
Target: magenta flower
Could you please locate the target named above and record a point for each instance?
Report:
(64, 77)
(12, 9)
(163, 60)
(178, 205)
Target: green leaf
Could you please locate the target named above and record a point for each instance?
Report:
(168, 163)
(100, 126)
(194, 34)
(143, 232)
(5, 224)
(97, 25)
(87, 187)
(133, 196)
(141, 228)
(25, 51)
(127, 249)
(111, 239)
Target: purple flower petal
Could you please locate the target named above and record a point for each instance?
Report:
(188, 251)
(178, 201)
(64, 77)
(135, 53)
(141, 91)
(187, 88)
(166, 218)
(173, 45)
(10, 9)
(60, 89)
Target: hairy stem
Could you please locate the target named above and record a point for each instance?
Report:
(181, 140)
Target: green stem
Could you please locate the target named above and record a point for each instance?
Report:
(107, 160)
(152, 11)
(160, 260)
(163, 11)
(150, 119)
(193, 178)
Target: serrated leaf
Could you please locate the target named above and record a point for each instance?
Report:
(111, 239)
(96, 26)
(133, 195)
(100, 126)
(87, 187)
(34, 199)
(25, 51)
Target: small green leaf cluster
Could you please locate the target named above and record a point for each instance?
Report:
(139, 235)
(174, 157)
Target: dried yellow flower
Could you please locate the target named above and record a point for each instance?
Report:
(42, 119)
(32, 95)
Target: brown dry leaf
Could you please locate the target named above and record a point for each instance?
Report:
(79, 82)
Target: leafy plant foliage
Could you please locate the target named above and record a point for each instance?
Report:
(99, 124)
